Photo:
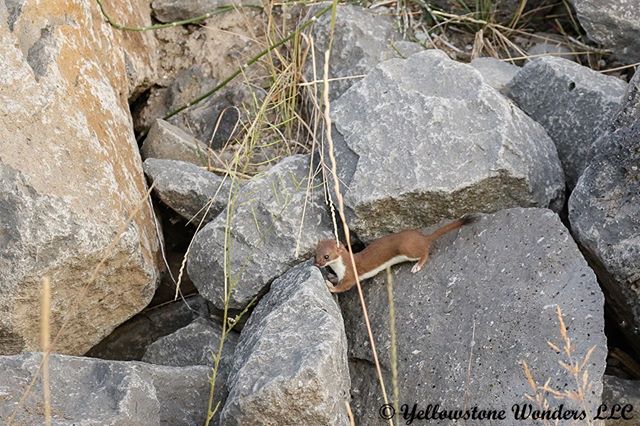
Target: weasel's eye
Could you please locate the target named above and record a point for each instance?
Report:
(326, 256)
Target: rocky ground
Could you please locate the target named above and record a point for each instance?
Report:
(176, 244)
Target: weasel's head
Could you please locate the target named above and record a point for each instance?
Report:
(327, 252)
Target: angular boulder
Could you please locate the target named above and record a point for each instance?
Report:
(485, 302)
(197, 344)
(187, 189)
(573, 103)
(168, 142)
(274, 222)
(426, 138)
(290, 364)
(93, 391)
(218, 118)
(193, 344)
(604, 211)
(615, 24)
(70, 172)
(362, 38)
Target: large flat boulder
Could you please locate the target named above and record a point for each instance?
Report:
(70, 172)
(91, 391)
(427, 138)
(290, 363)
(273, 223)
(573, 103)
(484, 303)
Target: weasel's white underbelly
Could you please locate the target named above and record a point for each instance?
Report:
(338, 267)
(390, 262)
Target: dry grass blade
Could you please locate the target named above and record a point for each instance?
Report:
(518, 14)
(527, 374)
(554, 347)
(336, 182)
(352, 420)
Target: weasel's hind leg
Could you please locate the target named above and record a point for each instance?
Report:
(418, 266)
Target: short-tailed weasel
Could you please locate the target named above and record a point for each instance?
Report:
(406, 246)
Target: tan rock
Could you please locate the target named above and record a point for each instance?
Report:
(70, 172)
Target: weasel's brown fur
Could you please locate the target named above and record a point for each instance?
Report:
(405, 246)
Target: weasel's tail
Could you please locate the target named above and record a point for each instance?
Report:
(464, 220)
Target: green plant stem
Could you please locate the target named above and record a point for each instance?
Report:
(252, 61)
(216, 11)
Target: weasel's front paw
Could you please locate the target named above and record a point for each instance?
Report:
(329, 285)
(416, 268)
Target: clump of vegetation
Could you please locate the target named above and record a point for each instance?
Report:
(576, 368)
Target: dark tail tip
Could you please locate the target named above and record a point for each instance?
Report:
(469, 218)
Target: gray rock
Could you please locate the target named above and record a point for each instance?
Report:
(215, 119)
(169, 95)
(485, 302)
(86, 391)
(404, 48)
(188, 189)
(225, 110)
(166, 141)
(496, 73)
(573, 103)
(192, 345)
(549, 44)
(197, 344)
(176, 10)
(604, 211)
(71, 175)
(621, 392)
(266, 234)
(361, 40)
(614, 24)
(291, 360)
(629, 111)
(130, 340)
(426, 138)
